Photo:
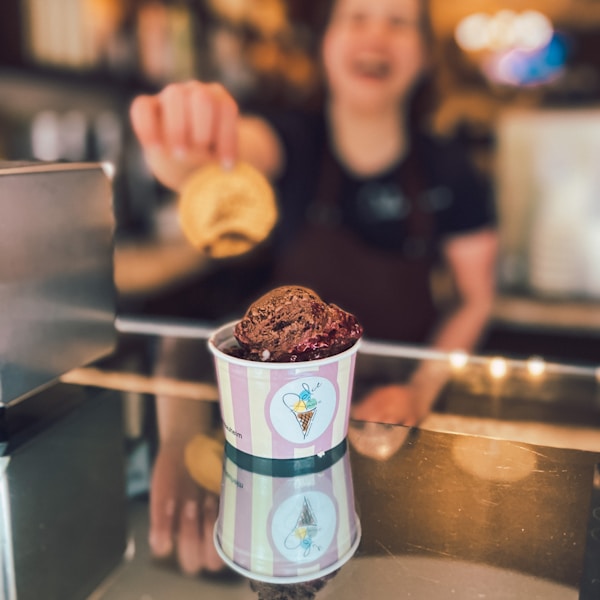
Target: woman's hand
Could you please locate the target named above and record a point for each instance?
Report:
(394, 404)
(185, 126)
(405, 404)
(182, 515)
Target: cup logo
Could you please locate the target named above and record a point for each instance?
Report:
(303, 409)
(304, 526)
(305, 532)
(303, 406)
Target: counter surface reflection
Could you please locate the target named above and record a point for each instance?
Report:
(496, 495)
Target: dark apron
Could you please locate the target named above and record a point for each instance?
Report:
(389, 291)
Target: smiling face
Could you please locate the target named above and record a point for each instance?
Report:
(374, 52)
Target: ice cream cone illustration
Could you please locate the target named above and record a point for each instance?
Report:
(305, 530)
(304, 407)
(305, 419)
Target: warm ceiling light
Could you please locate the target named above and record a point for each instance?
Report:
(472, 32)
(501, 30)
(532, 30)
(504, 30)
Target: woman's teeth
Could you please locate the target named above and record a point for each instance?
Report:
(372, 68)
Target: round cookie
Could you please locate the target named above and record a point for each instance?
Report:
(227, 212)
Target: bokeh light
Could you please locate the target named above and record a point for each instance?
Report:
(498, 368)
(504, 30)
(458, 359)
(536, 366)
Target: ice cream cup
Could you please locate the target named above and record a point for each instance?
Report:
(287, 529)
(283, 410)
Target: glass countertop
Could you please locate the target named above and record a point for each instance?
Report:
(495, 494)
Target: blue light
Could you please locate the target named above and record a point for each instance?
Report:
(532, 67)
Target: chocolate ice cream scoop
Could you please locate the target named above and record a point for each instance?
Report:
(292, 323)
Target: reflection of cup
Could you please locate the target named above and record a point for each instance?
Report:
(283, 410)
(286, 529)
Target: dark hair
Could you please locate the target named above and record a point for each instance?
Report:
(323, 12)
(424, 95)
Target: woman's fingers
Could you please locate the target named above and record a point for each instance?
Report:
(189, 541)
(212, 561)
(213, 115)
(163, 503)
(195, 545)
(226, 135)
(202, 111)
(145, 120)
(174, 119)
(189, 118)
(161, 528)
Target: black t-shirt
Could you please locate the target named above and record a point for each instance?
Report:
(375, 208)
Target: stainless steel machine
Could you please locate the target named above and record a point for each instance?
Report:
(57, 300)
(57, 312)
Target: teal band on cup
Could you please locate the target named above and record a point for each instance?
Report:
(286, 467)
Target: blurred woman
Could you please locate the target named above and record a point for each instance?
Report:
(369, 203)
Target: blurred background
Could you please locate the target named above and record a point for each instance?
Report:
(519, 82)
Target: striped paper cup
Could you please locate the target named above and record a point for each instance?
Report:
(287, 529)
(283, 410)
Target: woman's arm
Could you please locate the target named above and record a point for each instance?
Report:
(471, 259)
(189, 124)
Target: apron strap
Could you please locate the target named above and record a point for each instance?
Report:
(388, 291)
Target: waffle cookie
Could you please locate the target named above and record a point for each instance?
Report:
(227, 212)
